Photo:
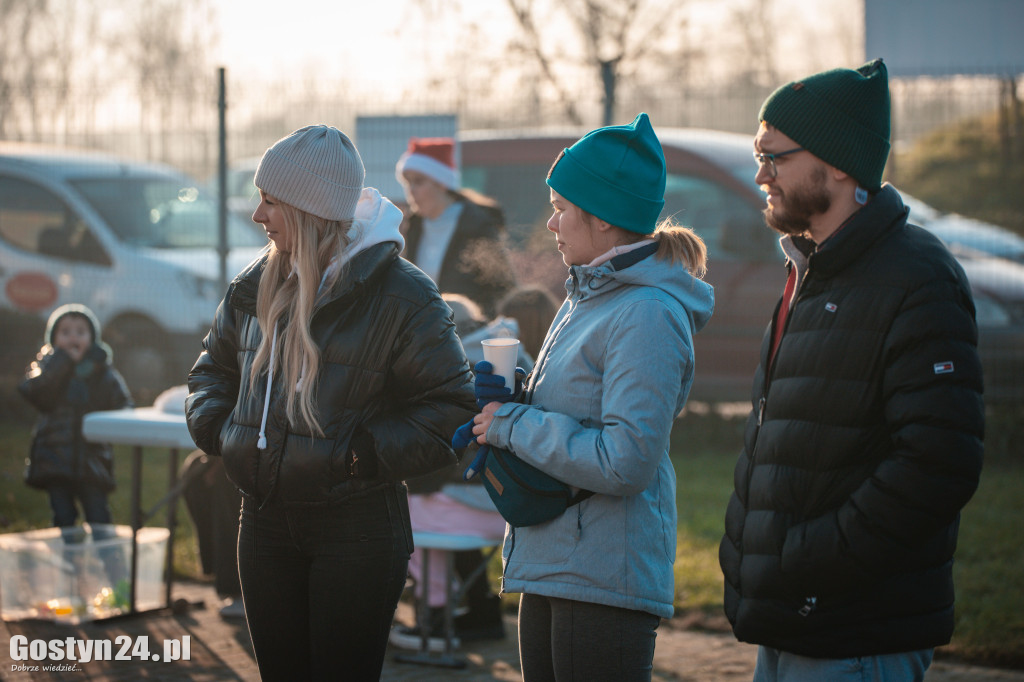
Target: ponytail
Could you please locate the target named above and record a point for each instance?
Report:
(680, 244)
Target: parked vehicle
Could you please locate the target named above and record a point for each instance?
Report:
(964, 234)
(243, 198)
(711, 188)
(135, 242)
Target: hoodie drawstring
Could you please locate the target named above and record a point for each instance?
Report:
(262, 442)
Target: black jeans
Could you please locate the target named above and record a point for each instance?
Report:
(320, 584)
(561, 640)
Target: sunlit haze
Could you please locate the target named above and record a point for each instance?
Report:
(384, 45)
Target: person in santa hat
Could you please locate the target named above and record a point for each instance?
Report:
(454, 235)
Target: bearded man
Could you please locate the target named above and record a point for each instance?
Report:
(865, 437)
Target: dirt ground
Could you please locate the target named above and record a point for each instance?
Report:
(221, 650)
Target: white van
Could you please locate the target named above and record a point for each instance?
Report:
(135, 242)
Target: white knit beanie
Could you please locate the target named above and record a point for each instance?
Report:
(316, 169)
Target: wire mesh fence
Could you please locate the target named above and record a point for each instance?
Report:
(179, 126)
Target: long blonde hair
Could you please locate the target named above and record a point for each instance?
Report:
(288, 292)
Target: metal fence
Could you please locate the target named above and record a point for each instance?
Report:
(181, 128)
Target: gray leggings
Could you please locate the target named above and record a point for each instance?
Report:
(570, 641)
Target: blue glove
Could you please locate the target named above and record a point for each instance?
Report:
(478, 462)
(463, 437)
(490, 387)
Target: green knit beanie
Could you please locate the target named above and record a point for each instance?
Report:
(616, 173)
(841, 116)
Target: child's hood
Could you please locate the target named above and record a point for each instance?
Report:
(68, 309)
(76, 309)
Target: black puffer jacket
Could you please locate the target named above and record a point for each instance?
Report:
(64, 392)
(864, 444)
(393, 378)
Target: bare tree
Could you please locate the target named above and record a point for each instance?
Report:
(23, 57)
(617, 38)
(757, 28)
(167, 56)
(531, 45)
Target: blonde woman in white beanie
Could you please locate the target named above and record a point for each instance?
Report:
(332, 373)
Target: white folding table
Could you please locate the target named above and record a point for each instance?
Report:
(145, 427)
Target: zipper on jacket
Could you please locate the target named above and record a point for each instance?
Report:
(810, 603)
(511, 548)
(542, 360)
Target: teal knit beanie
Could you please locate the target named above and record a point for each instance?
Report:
(841, 116)
(616, 173)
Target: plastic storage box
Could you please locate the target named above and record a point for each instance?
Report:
(79, 573)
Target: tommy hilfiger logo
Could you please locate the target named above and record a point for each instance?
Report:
(943, 367)
(831, 307)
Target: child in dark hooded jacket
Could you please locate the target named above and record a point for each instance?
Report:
(70, 377)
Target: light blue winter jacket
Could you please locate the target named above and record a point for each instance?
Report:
(614, 371)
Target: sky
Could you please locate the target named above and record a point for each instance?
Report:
(379, 43)
(331, 36)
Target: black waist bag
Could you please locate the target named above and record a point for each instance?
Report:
(523, 494)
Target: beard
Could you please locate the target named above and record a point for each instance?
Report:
(799, 205)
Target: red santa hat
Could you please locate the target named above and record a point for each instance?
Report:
(432, 156)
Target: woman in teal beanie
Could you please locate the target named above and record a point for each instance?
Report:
(614, 371)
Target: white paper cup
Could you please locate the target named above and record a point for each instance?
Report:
(502, 354)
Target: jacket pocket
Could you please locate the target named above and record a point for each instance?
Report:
(552, 542)
(339, 456)
(239, 467)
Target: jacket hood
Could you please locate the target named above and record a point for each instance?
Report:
(376, 221)
(72, 309)
(84, 311)
(696, 296)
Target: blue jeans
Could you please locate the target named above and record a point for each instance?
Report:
(320, 584)
(780, 666)
(563, 640)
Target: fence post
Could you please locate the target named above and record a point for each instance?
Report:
(222, 182)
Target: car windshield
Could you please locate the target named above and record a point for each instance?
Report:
(162, 213)
(743, 167)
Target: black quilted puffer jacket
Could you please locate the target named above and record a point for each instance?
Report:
(64, 392)
(864, 444)
(394, 379)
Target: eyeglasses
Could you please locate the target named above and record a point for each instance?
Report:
(769, 159)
